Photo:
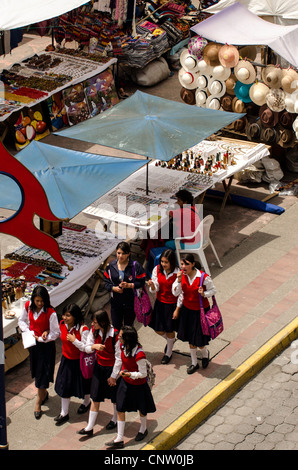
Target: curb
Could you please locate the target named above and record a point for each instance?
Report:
(176, 431)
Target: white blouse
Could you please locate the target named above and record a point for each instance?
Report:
(54, 325)
(208, 283)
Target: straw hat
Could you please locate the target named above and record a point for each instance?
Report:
(230, 84)
(272, 75)
(258, 92)
(295, 125)
(248, 52)
(203, 81)
(240, 124)
(253, 131)
(238, 106)
(245, 72)
(210, 54)
(275, 99)
(188, 96)
(226, 102)
(201, 97)
(189, 62)
(289, 80)
(220, 72)
(204, 68)
(216, 87)
(187, 80)
(268, 135)
(228, 56)
(268, 117)
(286, 138)
(290, 101)
(213, 102)
(242, 92)
(196, 46)
(286, 119)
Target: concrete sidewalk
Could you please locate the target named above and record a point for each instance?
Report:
(258, 296)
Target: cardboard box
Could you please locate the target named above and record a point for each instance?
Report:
(14, 355)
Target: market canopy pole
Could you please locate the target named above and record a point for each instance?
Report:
(3, 430)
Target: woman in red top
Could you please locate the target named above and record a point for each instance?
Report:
(70, 381)
(103, 338)
(133, 392)
(163, 277)
(40, 317)
(187, 287)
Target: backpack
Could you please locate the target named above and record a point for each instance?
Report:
(150, 372)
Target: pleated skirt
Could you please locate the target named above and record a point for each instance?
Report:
(100, 389)
(190, 329)
(70, 381)
(42, 363)
(134, 398)
(162, 317)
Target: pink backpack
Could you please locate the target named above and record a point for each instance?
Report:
(142, 304)
(211, 321)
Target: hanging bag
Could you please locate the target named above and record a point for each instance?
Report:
(211, 321)
(87, 361)
(142, 303)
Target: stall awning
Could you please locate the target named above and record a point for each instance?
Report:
(17, 13)
(148, 125)
(238, 26)
(72, 180)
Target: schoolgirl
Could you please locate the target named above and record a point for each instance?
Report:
(40, 317)
(163, 277)
(133, 392)
(103, 338)
(70, 381)
(187, 287)
(121, 282)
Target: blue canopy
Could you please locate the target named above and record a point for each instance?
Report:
(151, 126)
(72, 180)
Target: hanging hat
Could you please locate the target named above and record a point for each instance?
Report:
(226, 103)
(268, 117)
(258, 92)
(289, 80)
(188, 96)
(253, 131)
(216, 87)
(268, 135)
(286, 119)
(204, 68)
(238, 106)
(248, 52)
(187, 80)
(290, 101)
(196, 46)
(240, 124)
(213, 102)
(203, 81)
(295, 125)
(242, 92)
(201, 97)
(189, 62)
(210, 54)
(228, 56)
(220, 72)
(275, 99)
(230, 84)
(272, 75)
(286, 138)
(245, 72)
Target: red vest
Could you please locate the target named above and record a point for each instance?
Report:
(164, 293)
(42, 323)
(129, 363)
(106, 357)
(69, 350)
(191, 298)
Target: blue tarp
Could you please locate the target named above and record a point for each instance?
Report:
(151, 126)
(249, 202)
(71, 179)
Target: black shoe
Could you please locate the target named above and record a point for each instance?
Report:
(141, 435)
(166, 359)
(83, 409)
(111, 425)
(205, 361)
(83, 432)
(37, 414)
(191, 369)
(45, 399)
(115, 445)
(61, 419)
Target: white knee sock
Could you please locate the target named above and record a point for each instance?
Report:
(204, 351)
(86, 400)
(143, 427)
(91, 420)
(170, 344)
(193, 355)
(120, 431)
(64, 406)
(114, 419)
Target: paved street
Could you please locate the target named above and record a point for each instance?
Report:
(263, 415)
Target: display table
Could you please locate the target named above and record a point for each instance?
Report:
(84, 266)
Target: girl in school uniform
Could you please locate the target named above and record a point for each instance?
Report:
(103, 338)
(40, 317)
(165, 306)
(70, 381)
(133, 392)
(121, 282)
(187, 287)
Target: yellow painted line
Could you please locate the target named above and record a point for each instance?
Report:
(176, 431)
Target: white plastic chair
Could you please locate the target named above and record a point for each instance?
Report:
(204, 230)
